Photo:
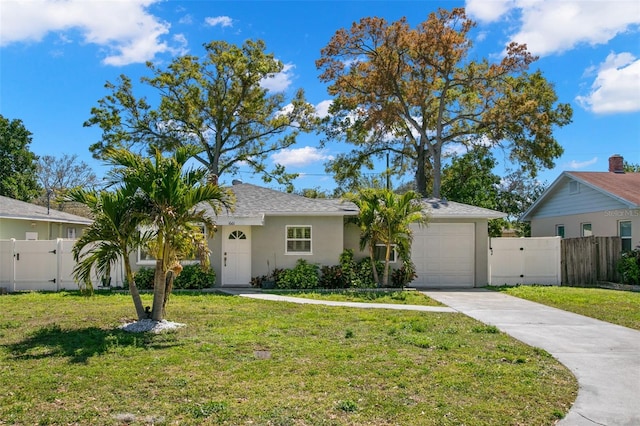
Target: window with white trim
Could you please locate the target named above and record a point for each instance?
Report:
(624, 230)
(145, 257)
(380, 253)
(560, 231)
(71, 233)
(298, 239)
(586, 230)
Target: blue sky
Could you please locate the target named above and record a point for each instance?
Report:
(55, 57)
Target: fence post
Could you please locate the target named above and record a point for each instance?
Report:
(13, 265)
(58, 263)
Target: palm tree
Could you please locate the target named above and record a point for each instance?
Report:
(385, 218)
(396, 213)
(169, 200)
(367, 201)
(113, 235)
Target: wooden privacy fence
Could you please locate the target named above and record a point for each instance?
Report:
(588, 260)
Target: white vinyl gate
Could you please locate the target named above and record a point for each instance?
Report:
(525, 261)
(42, 265)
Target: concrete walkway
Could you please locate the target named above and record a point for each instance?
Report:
(279, 298)
(605, 358)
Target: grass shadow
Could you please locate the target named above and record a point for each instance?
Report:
(81, 344)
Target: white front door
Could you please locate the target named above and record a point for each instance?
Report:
(236, 255)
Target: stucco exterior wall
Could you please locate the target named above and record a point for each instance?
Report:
(17, 228)
(603, 224)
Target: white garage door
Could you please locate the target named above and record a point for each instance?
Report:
(444, 255)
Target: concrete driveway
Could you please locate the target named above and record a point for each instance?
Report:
(605, 358)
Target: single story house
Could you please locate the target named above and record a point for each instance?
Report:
(271, 229)
(580, 204)
(25, 221)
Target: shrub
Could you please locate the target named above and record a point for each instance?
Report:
(193, 277)
(629, 267)
(333, 277)
(404, 275)
(303, 275)
(144, 278)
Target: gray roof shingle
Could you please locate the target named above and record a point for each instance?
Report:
(15, 209)
(443, 209)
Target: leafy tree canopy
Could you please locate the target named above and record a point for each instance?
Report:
(17, 162)
(216, 103)
(414, 91)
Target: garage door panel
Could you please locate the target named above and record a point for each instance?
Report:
(443, 254)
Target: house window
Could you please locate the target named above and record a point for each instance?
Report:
(237, 235)
(574, 187)
(380, 253)
(71, 233)
(624, 230)
(145, 257)
(298, 240)
(586, 230)
(560, 231)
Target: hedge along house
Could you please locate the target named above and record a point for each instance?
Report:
(270, 229)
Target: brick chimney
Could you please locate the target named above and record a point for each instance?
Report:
(616, 164)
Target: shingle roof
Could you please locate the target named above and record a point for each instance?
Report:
(443, 209)
(15, 209)
(254, 202)
(625, 186)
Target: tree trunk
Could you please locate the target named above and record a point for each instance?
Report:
(159, 281)
(374, 270)
(387, 256)
(421, 178)
(437, 174)
(133, 289)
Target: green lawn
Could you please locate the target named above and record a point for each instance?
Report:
(63, 361)
(366, 296)
(617, 307)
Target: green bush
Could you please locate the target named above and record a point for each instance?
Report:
(192, 277)
(629, 267)
(333, 277)
(144, 278)
(404, 275)
(303, 275)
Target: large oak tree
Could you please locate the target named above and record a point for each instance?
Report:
(414, 91)
(217, 103)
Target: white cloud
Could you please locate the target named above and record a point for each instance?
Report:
(125, 29)
(299, 157)
(616, 87)
(279, 82)
(322, 108)
(223, 21)
(549, 27)
(487, 11)
(576, 165)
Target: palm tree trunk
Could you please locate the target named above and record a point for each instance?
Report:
(385, 275)
(157, 312)
(133, 289)
(374, 270)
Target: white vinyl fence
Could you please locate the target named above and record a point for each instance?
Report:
(43, 265)
(525, 261)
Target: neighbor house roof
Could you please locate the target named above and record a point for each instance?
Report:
(623, 187)
(11, 208)
(254, 202)
(443, 209)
